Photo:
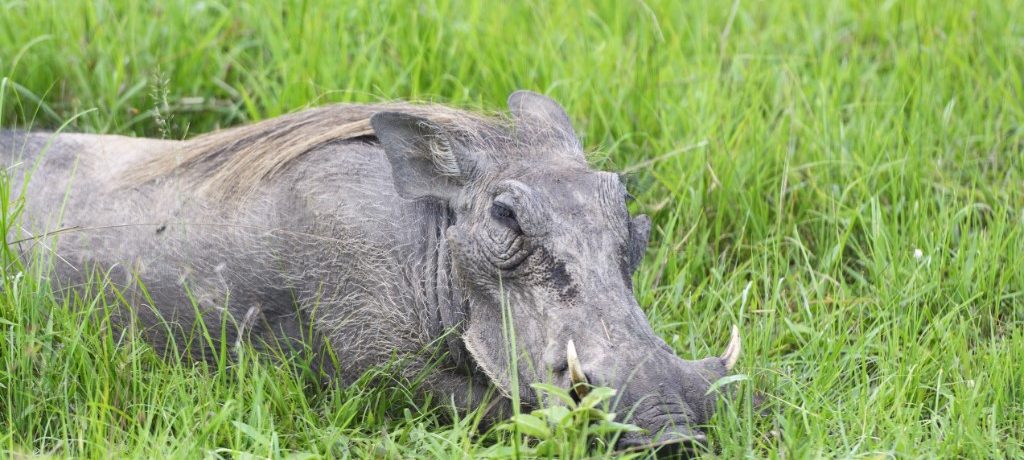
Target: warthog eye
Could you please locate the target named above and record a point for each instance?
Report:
(505, 216)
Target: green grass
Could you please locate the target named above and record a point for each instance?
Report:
(844, 180)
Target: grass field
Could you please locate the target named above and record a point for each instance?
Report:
(844, 180)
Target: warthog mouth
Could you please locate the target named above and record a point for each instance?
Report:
(668, 443)
(669, 433)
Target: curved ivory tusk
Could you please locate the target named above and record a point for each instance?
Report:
(579, 380)
(732, 351)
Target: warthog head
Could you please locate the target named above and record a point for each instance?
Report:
(538, 233)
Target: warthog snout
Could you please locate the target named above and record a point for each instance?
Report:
(659, 392)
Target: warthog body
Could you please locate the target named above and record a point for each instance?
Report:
(375, 231)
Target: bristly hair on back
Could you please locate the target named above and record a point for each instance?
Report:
(229, 164)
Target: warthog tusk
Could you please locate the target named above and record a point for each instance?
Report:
(732, 351)
(579, 380)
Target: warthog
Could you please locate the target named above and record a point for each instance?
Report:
(376, 231)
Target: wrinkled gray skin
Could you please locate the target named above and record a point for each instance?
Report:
(378, 246)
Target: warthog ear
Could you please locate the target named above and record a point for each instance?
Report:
(425, 163)
(545, 117)
(639, 236)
